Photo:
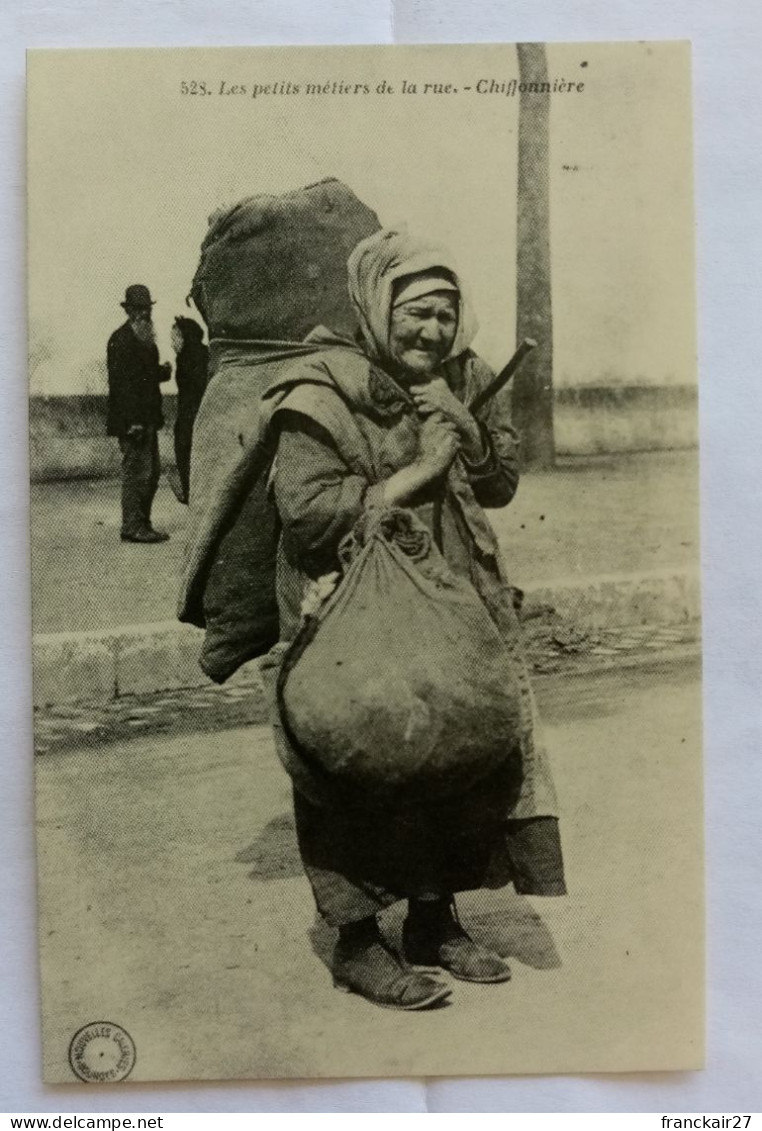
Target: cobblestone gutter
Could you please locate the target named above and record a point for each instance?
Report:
(135, 660)
(553, 647)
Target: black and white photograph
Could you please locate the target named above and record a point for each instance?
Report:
(366, 599)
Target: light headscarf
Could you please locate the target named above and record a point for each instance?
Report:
(374, 267)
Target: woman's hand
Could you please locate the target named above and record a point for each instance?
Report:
(439, 445)
(437, 399)
(437, 396)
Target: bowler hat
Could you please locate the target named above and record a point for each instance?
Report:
(137, 295)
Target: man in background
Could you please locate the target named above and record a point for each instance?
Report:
(134, 412)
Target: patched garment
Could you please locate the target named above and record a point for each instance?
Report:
(344, 426)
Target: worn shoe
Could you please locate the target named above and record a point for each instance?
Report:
(145, 536)
(432, 935)
(369, 968)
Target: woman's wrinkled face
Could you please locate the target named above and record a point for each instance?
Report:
(422, 332)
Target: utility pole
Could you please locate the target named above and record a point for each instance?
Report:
(532, 397)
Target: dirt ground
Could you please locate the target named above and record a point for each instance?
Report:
(608, 514)
(173, 904)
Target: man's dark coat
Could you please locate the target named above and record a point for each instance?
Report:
(134, 375)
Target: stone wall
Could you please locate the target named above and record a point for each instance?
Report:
(67, 438)
(68, 434)
(625, 418)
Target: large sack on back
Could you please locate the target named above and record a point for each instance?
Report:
(276, 266)
(228, 580)
(401, 685)
(272, 269)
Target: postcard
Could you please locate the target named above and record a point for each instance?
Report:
(364, 460)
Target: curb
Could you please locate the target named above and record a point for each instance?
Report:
(139, 659)
(202, 710)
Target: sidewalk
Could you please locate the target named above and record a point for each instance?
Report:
(605, 543)
(590, 517)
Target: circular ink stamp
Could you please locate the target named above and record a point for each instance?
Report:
(102, 1053)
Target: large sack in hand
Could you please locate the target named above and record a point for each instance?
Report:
(274, 267)
(401, 684)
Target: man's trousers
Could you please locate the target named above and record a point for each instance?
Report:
(140, 478)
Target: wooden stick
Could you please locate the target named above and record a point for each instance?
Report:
(503, 377)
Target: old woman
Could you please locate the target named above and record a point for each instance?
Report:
(384, 424)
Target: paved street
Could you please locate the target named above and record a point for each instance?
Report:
(173, 904)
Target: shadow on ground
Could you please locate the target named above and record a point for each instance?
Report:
(514, 930)
(274, 854)
(505, 921)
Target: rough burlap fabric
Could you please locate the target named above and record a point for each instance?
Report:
(399, 683)
(228, 581)
(273, 267)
